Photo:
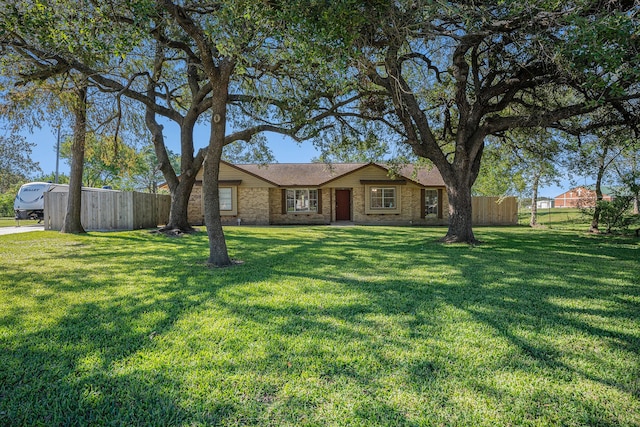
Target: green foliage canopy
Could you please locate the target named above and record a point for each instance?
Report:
(16, 165)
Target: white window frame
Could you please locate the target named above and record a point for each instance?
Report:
(224, 198)
(391, 208)
(302, 200)
(234, 200)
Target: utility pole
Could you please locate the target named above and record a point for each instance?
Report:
(57, 153)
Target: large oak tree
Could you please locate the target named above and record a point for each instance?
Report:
(443, 76)
(231, 61)
(251, 67)
(37, 85)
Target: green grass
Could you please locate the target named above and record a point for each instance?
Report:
(11, 222)
(559, 218)
(354, 326)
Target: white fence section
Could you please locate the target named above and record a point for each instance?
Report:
(109, 210)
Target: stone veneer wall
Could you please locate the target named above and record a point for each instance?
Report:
(410, 209)
(253, 207)
(195, 211)
(277, 217)
(263, 206)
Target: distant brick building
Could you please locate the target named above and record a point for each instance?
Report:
(581, 197)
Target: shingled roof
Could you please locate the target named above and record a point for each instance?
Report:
(318, 174)
(297, 174)
(423, 176)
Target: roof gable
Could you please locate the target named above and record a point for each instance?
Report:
(422, 175)
(606, 191)
(248, 171)
(320, 174)
(299, 174)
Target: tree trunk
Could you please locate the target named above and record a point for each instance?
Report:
(533, 221)
(179, 209)
(72, 223)
(595, 220)
(460, 214)
(459, 177)
(218, 255)
(180, 188)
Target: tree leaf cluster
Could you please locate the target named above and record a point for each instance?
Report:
(16, 166)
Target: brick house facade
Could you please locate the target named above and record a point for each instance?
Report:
(317, 193)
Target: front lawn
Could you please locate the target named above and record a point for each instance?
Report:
(353, 326)
(559, 218)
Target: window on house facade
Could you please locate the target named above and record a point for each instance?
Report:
(431, 203)
(226, 198)
(302, 200)
(382, 198)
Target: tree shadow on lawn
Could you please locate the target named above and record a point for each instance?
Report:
(68, 366)
(568, 282)
(79, 366)
(546, 297)
(341, 314)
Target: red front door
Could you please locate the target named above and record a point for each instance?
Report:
(343, 205)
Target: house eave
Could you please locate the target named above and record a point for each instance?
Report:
(383, 181)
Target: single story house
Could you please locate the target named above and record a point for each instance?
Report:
(581, 197)
(319, 193)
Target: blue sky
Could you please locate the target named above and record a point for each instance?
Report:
(284, 149)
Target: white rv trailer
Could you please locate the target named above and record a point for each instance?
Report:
(29, 202)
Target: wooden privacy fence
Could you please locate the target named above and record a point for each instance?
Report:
(109, 210)
(494, 211)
